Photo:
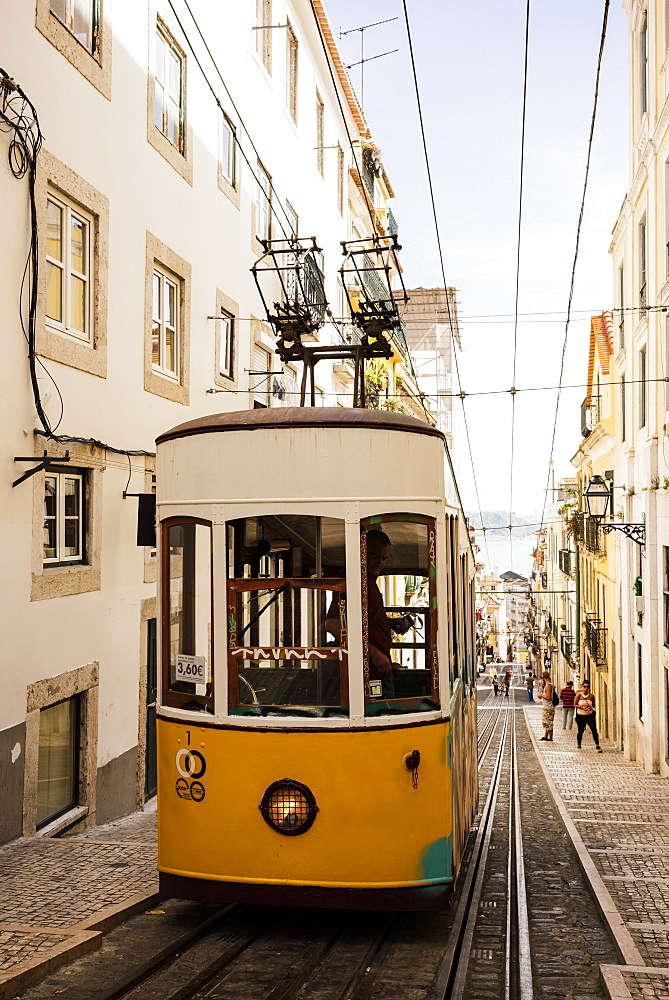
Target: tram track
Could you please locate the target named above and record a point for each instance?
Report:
(499, 825)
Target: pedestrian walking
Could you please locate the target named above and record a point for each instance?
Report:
(567, 695)
(529, 684)
(495, 684)
(548, 714)
(586, 715)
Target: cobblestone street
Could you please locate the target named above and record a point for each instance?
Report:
(60, 895)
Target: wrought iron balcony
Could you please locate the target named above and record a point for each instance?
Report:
(591, 414)
(595, 639)
(567, 647)
(593, 537)
(565, 561)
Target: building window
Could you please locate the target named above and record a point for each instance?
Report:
(291, 72)
(63, 518)
(666, 362)
(621, 303)
(340, 179)
(228, 151)
(69, 268)
(261, 378)
(665, 588)
(263, 33)
(643, 388)
(623, 409)
(643, 65)
(320, 133)
(639, 663)
(643, 268)
(263, 204)
(169, 88)
(81, 18)
(165, 327)
(58, 760)
(226, 324)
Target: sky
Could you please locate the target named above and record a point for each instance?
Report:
(469, 61)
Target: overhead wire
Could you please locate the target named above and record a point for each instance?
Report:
(441, 256)
(576, 250)
(517, 295)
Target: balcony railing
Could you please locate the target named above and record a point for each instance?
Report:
(591, 414)
(565, 561)
(567, 646)
(593, 537)
(595, 639)
(544, 580)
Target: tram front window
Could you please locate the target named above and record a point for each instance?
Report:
(285, 571)
(399, 596)
(187, 638)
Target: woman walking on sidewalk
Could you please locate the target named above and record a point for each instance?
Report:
(584, 703)
(548, 714)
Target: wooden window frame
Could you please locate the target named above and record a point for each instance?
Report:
(179, 699)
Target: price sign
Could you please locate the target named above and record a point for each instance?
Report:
(191, 668)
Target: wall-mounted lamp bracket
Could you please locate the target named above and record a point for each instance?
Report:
(45, 462)
(637, 532)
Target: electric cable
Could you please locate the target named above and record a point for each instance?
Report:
(576, 249)
(517, 295)
(441, 261)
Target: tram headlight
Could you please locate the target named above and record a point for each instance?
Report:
(289, 807)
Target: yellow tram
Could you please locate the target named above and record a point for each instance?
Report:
(296, 765)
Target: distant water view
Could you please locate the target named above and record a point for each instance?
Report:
(499, 549)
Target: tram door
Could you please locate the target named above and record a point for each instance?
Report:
(150, 772)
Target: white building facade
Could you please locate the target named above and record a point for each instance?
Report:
(172, 144)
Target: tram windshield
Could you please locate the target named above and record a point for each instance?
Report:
(284, 572)
(399, 597)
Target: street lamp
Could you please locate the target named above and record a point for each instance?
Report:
(597, 496)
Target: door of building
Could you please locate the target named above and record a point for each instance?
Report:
(150, 775)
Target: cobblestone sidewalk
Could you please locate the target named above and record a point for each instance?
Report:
(60, 894)
(618, 816)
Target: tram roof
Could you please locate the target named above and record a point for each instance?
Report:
(291, 417)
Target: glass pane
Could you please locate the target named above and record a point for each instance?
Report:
(78, 244)
(156, 297)
(57, 761)
(78, 317)
(160, 59)
(189, 611)
(71, 547)
(72, 492)
(170, 303)
(227, 152)
(58, 8)
(160, 98)
(49, 543)
(155, 344)
(168, 363)
(54, 218)
(50, 496)
(82, 22)
(174, 81)
(400, 572)
(225, 366)
(54, 293)
(288, 619)
(172, 122)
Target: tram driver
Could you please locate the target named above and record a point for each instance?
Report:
(379, 627)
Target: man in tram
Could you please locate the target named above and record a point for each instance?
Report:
(379, 628)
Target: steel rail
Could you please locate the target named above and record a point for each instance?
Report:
(450, 980)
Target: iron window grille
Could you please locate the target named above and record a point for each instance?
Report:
(595, 639)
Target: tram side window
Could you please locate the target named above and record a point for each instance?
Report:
(286, 572)
(399, 607)
(187, 617)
